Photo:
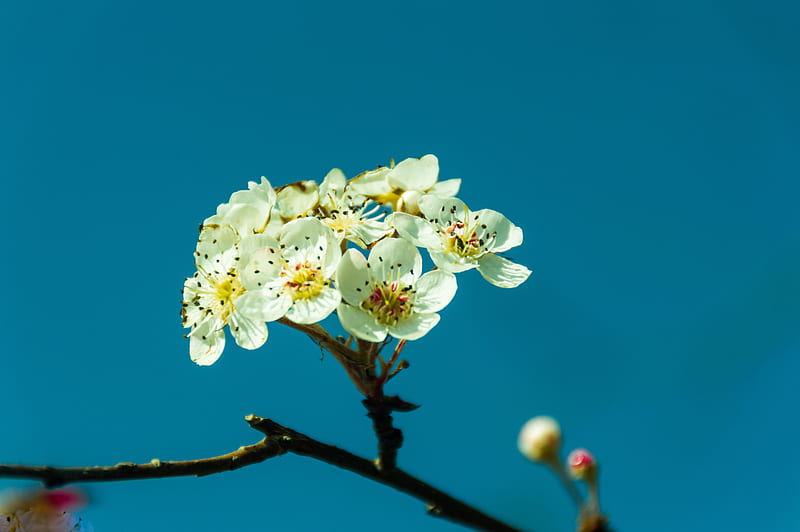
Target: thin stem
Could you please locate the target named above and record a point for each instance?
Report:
(348, 358)
(563, 476)
(278, 440)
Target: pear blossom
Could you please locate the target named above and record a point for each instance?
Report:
(459, 239)
(385, 294)
(296, 272)
(403, 185)
(217, 295)
(351, 216)
(247, 211)
(270, 253)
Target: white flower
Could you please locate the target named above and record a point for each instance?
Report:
(247, 211)
(217, 296)
(350, 216)
(459, 239)
(385, 293)
(296, 273)
(402, 185)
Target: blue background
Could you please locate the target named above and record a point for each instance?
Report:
(649, 151)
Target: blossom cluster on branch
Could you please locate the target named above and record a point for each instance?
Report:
(289, 253)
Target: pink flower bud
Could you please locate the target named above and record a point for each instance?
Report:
(582, 464)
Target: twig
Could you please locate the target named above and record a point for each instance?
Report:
(440, 504)
(390, 438)
(278, 440)
(348, 358)
(53, 477)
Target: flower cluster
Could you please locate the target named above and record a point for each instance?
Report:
(290, 253)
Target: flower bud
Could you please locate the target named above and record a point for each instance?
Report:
(582, 464)
(540, 439)
(409, 202)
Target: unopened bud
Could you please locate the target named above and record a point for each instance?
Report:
(409, 202)
(540, 439)
(582, 464)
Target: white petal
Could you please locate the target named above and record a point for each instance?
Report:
(250, 243)
(315, 309)
(216, 265)
(303, 232)
(248, 333)
(206, 342)
(190, 312)
(360, 323)
(368, 232)
(447, 188)
(308, 239)
(247, 219)
(395, 259)
(274, 225)
(264, 189)
(297, 199)
(452, 262)
(371, 183)
(215, 239)
(329, 254)
(264, 266)
(409, 202)
(507, 235)
(249, 210)
(414, 327)
(262, 305)
(420, 232)
(333, 185)
(435, 290)
(352, 277)
(415, 174)
(502, 272)
(444, 210)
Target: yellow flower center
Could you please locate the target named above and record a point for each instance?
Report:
(304, 281)
(224, 293)
(389, 302)
(340, 222)
(463, 240)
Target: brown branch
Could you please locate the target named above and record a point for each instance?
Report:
(440, 504)
(278, 440)
(390, 438)
(53, 477)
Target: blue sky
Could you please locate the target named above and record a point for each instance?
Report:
(649, 152)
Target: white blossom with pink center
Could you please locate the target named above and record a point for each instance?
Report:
(459, 239)
(296, 271)
(386, 294)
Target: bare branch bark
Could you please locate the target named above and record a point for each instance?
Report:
(278, 440)
(53, 477)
